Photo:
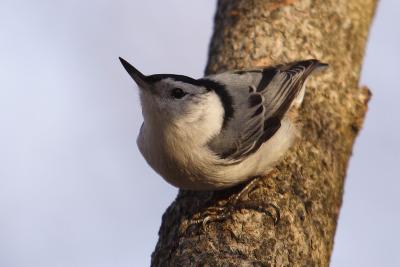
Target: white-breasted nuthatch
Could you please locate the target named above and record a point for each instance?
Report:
(221, 130)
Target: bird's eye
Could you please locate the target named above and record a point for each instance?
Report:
(178, 93)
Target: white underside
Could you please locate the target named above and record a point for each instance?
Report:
(178, 150)
(199, 169)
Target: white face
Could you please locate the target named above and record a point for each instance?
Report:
(173, 100)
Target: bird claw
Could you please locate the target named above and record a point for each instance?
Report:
(263, 208)
(220, 213)
(212, 214)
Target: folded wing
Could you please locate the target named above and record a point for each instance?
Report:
(261, 100)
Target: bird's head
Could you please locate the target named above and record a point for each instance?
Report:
(176, 99)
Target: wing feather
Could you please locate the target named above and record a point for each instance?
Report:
(259, 117)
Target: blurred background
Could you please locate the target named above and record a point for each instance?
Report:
(74, 190)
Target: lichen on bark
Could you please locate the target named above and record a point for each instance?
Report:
(307, 185)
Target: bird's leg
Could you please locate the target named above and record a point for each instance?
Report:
(250, 186)
(235, 203)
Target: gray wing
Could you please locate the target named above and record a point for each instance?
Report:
(261, 98)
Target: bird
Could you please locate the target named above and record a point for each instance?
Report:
(221, 130)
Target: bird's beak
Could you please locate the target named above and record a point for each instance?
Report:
(136, 75)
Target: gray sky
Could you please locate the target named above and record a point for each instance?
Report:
(74, 190)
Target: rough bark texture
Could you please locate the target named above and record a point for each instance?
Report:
(308, 184)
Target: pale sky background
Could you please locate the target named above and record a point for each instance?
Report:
(74, 190)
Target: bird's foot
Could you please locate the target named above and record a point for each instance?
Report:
(235, 203)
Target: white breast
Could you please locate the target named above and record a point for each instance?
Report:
(179, 153)
(177, 150)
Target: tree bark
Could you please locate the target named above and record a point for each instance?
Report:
(307, 185)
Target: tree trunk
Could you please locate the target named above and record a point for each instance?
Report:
(307, 185)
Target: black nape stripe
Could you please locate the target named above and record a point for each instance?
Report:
(224, 96)
(210, 85)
